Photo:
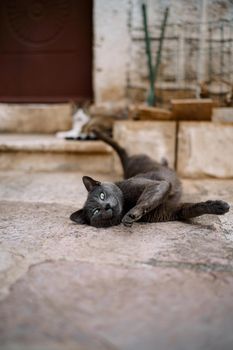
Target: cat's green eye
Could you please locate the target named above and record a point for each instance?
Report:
(102, 196)
(95, 211)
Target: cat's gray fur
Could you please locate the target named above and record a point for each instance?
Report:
(150, 192)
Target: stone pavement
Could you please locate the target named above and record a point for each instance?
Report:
(153, 286)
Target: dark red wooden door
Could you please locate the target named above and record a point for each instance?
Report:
(45, 50)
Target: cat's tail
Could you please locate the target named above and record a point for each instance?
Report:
(123, 155)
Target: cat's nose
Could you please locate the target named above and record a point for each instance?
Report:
(107, 206)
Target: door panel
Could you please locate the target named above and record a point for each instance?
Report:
(45, 50)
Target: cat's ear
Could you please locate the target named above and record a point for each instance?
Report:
(78, 217)
(90, 183)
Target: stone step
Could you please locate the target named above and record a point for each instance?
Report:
(35, 118)
(201, 149)
(38, 152)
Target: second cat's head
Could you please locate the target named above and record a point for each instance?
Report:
(103, 206)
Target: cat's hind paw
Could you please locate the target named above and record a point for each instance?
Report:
(218, 207)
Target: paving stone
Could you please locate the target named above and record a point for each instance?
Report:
(104, 307)
(34, 232)
(160, 285)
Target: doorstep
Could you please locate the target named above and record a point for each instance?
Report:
(37, 152)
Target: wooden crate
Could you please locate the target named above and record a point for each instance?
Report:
(192, 109)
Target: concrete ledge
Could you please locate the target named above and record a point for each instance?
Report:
(50, 162)
(47, 153)
(49, 143)
(154, 138)
(35, 118)
(205, 149)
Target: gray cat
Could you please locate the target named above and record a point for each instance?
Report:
(150, 192)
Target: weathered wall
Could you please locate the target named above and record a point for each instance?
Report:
(111, 50)
(120, 69)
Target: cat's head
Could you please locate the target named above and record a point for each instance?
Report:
(103, 206)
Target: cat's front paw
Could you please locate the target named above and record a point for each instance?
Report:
(127, 221)
(133, 215)
(218, 207)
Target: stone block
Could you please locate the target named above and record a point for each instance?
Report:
(154, 138)
(222, 115)
(192, 109)
(35, 118)
(205, 149)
